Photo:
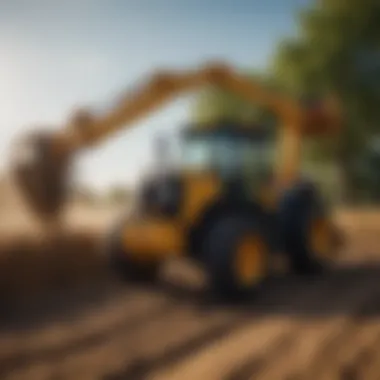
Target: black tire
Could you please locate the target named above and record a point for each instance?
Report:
(120, 261)
(219, 248)
(298, 210)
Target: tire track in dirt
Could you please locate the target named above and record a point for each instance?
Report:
(191, 318)
(259, 345)
(366, 365)
(251, 366)
(314, 338)
(177, 312)
(126, 308)
(346, 349)
(95, 360)
(347, 358)
(138, 312)
(357, 334)
(171, 336)
(255, 341)
(142, 366)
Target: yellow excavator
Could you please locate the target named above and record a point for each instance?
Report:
(235, 204)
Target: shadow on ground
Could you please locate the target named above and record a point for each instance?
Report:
(326, 295)
(66, 274)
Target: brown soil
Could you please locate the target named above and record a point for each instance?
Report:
(87, 326)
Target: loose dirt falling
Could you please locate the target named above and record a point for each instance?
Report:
(296, 328)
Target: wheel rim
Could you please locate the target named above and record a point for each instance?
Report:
(250, 260)
(320, 238)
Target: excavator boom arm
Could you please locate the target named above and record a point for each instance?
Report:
(86, 130)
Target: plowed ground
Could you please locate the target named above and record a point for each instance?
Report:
(296, 328)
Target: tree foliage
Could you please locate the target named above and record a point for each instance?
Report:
(338, 51)
(215, 104)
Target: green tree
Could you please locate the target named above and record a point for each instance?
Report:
(337, 51)
(214, 104)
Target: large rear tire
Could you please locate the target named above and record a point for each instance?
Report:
(310, 237)
(236, 253)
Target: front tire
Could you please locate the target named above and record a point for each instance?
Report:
(308, 231)
(222, 246)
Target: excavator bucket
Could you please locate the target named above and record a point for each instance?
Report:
(40, 175)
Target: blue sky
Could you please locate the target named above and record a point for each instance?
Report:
(55, 55)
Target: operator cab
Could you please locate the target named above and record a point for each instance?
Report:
(234, 152)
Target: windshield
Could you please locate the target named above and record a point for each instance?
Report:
(228, 155)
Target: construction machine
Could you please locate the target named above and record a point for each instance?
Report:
(236, 203)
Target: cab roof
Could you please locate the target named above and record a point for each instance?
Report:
(228, 128)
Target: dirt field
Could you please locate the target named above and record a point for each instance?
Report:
(90, 327)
